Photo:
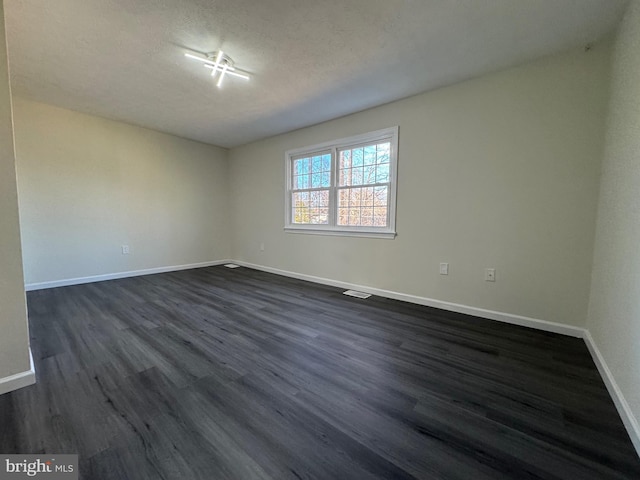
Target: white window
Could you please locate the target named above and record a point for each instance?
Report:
(344, 187)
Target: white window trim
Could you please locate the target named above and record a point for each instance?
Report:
(390, 134)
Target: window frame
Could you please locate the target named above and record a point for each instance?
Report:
(332, 228)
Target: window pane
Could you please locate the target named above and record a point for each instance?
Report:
(380, 217)
(319, 216)
(367, 196)
(319, 198)
(301, 182)
(343, 198)
(352, 217)
(345, 177)
(384, 152)
(344, 168)
(326, 162)
(316, 180)
(369, 174)
(355, 217)
(343, 216)
(355, 196)
(326, 179)
(345, 159)
(380, 196)
(382, 173)
(366, 218)
(370, 155)
(357, 176)
(320, 180)
(301, 166)
(357, 157)
(316, 164)
(301, 215)
(301, 199)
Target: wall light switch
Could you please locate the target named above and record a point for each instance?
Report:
(262, 247)
(125, 249)
(490, 274)
(444, 269)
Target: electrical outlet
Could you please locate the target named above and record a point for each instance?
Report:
(444, 269)
(490, 274)
(125, 249)
(262, 247)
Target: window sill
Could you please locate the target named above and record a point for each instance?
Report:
(341, 232)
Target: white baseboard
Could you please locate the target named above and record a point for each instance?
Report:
(430, 302)
(19, 380)
(112, 276)
(627, 416)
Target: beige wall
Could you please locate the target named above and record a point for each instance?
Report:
(14, 335)
(614, 310)
(500, 171)
(89, 185)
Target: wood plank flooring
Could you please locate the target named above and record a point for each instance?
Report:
(217, 373)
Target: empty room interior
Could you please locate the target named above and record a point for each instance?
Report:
(297, 239)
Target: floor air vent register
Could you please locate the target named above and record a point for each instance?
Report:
(355, 293)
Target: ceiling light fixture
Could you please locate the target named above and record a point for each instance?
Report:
(219, 63)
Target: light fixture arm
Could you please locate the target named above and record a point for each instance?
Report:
(219, 62)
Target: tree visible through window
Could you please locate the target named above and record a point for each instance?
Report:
(311, 183)
(344, 187)
(363, 197)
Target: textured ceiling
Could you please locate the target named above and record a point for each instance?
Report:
(311, 60)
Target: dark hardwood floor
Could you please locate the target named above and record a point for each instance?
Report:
(238, 374)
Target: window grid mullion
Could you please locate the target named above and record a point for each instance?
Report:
(364, 185)
(316, 189)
